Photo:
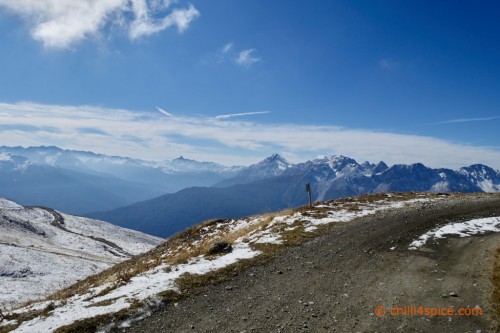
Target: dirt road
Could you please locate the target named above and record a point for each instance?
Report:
(334, 282)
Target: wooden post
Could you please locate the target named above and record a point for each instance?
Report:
(308, 189)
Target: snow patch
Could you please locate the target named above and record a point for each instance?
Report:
(461, 229)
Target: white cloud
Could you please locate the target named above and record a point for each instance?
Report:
(144, 25)
(60, 24)
(246, 59)
(151, 135)
(160, 4)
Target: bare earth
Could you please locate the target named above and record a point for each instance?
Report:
(334, 282)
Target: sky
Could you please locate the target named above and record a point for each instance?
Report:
(235, 81)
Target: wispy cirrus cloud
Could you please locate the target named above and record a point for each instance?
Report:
(60, 24)
(151, 135)
(246, 59)
(229, 53)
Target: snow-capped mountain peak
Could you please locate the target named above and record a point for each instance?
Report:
(482, 176)
(337, 164)
(271, 166)
(274, 161)
(185, 165)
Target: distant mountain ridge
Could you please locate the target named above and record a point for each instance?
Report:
(100, 163)
(80, 182)
(274, 184)
(184, 192)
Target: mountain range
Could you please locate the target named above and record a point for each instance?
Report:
(164, 197)
(274, 184)
(79, 182)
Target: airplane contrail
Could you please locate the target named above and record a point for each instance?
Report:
(225, 116)
(464, 120)
(168, 114)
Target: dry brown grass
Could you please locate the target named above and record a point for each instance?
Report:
(184, 241)
(107, 290)
(8, 328)
(105, 302)
(92, 325)
(25, 316)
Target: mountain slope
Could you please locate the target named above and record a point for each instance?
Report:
(42, 250)
(170, 213)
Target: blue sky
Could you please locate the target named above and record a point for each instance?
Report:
(399, 81)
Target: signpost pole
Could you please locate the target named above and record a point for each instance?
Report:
(308, 189)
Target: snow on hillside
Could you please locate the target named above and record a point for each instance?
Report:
(131, 241)
(488, 186)
(246, 236)
(42, 251)
(7, 204)
(4, 157)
